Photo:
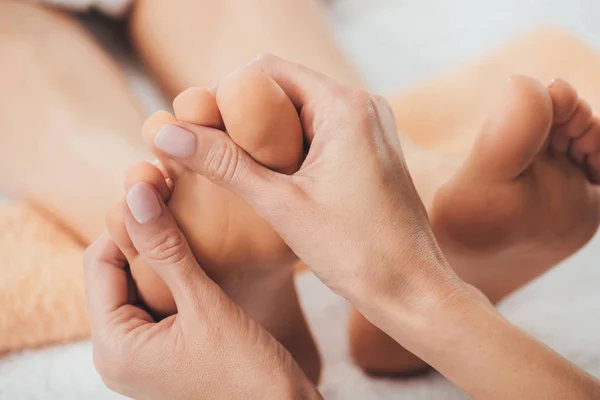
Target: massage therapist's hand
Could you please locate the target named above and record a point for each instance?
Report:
(209, 350)
(351, 212)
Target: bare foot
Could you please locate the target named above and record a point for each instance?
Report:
(524, 200)
(236, 248)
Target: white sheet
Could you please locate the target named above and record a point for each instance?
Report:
(395, 43)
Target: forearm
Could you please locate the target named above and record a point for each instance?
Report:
(466, 340)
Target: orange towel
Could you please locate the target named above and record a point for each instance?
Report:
(41, 281)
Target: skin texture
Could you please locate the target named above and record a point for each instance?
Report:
(97, 178)
(236, 248)
(400, 282)
(176, 358)
(490, 218)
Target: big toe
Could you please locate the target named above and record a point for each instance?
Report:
(261, 119)
(198, 106)
(515, 132)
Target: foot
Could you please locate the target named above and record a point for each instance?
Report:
(524, 200)
(236, 248)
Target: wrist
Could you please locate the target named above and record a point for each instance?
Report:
(424, 315)
(432, 286)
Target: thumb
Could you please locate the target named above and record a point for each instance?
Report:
(213, 154)
(162, 245)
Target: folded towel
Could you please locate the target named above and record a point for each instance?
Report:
(41, 281)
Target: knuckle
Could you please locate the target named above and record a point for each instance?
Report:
(360, 98)
(357, 104)
(222, 161)
(370, 107)
(166, 247)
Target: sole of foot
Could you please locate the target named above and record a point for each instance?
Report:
(525, 199)
(235, 247)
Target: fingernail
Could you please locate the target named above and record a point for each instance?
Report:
(552, 82)
(175, 141)
(143, 203)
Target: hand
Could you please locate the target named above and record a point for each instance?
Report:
(209, 350)
(351, 212)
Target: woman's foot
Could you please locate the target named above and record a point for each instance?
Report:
(524, 200)
(236, 248)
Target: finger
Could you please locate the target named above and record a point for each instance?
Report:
(160, 242)
(301, 84)
(212, 154)
(106, 282)
(115, 222)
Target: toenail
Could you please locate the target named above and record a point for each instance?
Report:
(143, 203)
(175, 141)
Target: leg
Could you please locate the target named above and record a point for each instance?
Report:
(69, 126)
(197, 42)
(425, 114)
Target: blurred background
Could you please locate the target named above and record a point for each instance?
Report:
(397, 45)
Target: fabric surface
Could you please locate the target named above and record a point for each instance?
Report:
(41, 281)
(395, 43)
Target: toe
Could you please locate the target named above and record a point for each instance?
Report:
(564, 100)
(515, 132)
(593, 166)
(198, 106)
(152, 126)
(578, 123)
(560, 142)
(261, 119)
(115, 225)
(587, 143)
(150, 174)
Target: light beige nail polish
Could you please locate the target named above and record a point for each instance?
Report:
(143, 203)
(175, 141)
